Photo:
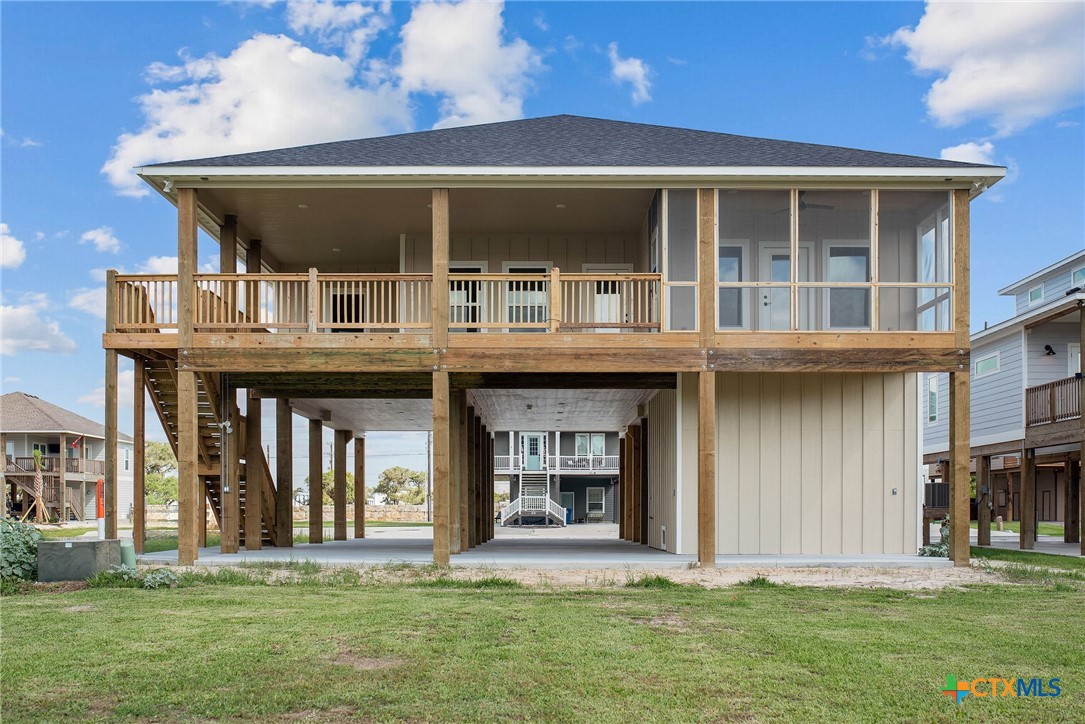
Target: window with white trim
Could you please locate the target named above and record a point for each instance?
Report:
(1077, 277)
(932, 399)
(596, 501)
(127, 464)
(1035, 295)
(987, 365)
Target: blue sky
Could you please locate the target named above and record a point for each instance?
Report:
(902, 77)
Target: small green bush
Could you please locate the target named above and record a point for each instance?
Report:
(760, 581)
(126, 577)
(491, 582)
(653, 582)
(18, 551)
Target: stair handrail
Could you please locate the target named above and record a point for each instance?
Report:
(556, 509)
(510, 511)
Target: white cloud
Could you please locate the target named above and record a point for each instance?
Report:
(270, 92)
(12, 251)
(971, 152)
(158, 265)
(126, 382)
(91, 301)
(539, 21)
(458, 51)
(352, 26)
(1011, 63)
(102, 238)
(24, 142)
(26, 329)
(633, 71)
(1067, 124)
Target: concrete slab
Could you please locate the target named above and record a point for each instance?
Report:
(577, 547)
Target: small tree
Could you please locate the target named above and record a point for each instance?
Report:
(327, 486)
(158, 459)
(160, 490)
(401, 486)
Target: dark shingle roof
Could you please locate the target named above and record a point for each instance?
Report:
(20, 412)
(569, 141)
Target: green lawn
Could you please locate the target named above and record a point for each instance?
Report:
(1015, 527)
(372, 524)
(1029, 558)
(435, 650)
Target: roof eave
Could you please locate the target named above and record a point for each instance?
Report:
(1014, 323)
(978, 177)
(1026, 281)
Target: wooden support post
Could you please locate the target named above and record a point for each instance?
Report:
(555, 300)
(1010, 512)
(472, 478)
(339, 486)
(439, 284)
(284, 474)
(111, 451)
(201, 536)
(230, 519)
(622, 475)
(228, 245)
(139, 458)
(316, 482)
(984, 498)
(189, 492)
(1027, 531)
(254, 475)
(190, 495)
(440, 482)
(485, 506)
(314, 300)
(961, 285)
(959, 475)
(706, 267)
(359, 487)
(637, 480)
(1072, 523)
(464, 484)
(706, 469)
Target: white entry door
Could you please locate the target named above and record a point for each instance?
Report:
(1073, 354)
(607, 306)
(774, 303)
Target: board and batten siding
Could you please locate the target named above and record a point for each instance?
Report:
(807, 463)
(567, 252)
(662, 470)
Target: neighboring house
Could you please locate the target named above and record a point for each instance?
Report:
(752, 313)
(578, 470)
(1026, 396)
(73, 458)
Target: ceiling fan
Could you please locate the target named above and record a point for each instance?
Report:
(803, 206)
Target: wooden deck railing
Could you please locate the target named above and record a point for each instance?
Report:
(52, 465)
(316, 302)
(1053, 402)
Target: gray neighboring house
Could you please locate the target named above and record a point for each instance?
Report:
(1025, 396)
(73, 451)
(579, 470)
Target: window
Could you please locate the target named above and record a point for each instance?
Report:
(1077, 278)
(987, 365)
(596, 501)
(932, 399)
(848, 308)
(527, 301)
(680, 258)
(733, 301)
(127, 460)
(1036, 295)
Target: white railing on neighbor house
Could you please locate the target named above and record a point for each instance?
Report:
(538, 505)
(561, 463)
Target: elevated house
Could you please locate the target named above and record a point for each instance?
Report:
(72, 459)
(560, 477)
(1026, 422)
(755, 312)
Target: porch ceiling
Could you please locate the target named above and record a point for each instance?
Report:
(528, 409)
(365, 223)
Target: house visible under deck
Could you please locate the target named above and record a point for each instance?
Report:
(776, 298)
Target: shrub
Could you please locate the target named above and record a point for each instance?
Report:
(653, 582)
(18, 551)
(126, 577)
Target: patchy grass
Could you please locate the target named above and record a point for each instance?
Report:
(251, 651)
(653, 582)
(1014, 526)
(374, 524)
(1030, 558)
(166, 540)
(466, 583)
(63, 533)
(760, 581)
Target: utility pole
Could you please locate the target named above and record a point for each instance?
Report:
(429, 474)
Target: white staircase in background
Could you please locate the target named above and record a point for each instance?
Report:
(534, 502)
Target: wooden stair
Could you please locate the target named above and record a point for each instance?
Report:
(161, 382)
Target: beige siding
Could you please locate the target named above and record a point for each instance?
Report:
(807, 463)
(662, 472)
(568, 253)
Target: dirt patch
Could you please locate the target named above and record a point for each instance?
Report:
(59, 587)
(665, 621)
(338, 713)
(366, 663)
(79, 609)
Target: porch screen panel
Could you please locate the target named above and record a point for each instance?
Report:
(753, 270)
(915, 250)
(834, 230)
(681, 259)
